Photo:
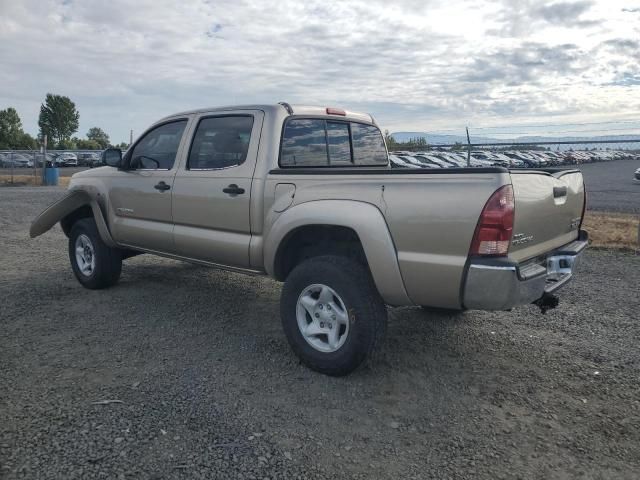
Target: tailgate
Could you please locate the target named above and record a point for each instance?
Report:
(548, 211)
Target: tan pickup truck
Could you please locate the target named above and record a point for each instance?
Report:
(306, 195)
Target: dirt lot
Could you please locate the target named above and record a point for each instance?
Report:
(210, 389)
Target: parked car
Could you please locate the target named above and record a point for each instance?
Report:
(397, 162)
(89, 159)
(261, 190)
(15, 160)
(67, 159)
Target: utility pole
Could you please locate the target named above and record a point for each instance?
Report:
(44, 158)
(468, 148)
(35, 166)
(130, 137)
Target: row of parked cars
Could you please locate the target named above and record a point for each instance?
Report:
(53, 159)
(511, 159)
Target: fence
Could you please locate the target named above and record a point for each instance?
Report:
(30, 162)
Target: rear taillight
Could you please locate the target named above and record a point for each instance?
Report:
(495, 227)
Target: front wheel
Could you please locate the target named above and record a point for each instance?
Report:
(332, 314)
(94, 264)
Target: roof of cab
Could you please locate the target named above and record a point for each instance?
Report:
(291, 109)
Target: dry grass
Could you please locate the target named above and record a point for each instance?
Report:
(29, 180)
(612, 230)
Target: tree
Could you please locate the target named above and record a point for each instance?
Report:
(390, 141)
(99, 136)
(10, 128)
(11, 134)
(83, 144)
(58, 118)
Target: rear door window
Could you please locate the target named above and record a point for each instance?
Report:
(220, 142)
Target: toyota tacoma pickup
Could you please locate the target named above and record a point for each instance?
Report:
(307, 196)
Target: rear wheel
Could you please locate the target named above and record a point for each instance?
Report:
(332, 314)
(94, 264)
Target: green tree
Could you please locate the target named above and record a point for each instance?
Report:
(84, 144)
(58, 118)
(99, 136)
(390, 141)
(10, 128)
(27, 142)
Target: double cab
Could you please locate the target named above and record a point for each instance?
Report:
(307, 196)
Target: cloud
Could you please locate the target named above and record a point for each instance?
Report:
(413, 64)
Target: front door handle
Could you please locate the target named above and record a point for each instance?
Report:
(162, 186)
(233, 189)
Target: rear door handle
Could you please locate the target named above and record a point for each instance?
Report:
(162, 186)
(233, 189)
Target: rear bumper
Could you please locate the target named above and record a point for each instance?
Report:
(499, 284)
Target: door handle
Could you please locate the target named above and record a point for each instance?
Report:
(233, 189)
(162, 186)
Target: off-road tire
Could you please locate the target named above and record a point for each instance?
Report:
(366, 312)
(108, 261)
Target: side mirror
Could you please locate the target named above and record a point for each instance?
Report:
(112, 157)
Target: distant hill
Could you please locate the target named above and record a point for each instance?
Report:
(586, 141)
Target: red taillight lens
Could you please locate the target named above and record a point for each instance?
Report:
(495, 227)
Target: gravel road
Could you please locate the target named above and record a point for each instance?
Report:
(207, 387)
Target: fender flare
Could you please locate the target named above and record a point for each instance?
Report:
(368, 223)
(66, 205)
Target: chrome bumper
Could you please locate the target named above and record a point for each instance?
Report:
(498, 284)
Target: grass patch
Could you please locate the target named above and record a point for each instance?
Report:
(612, 230)
(21, 180)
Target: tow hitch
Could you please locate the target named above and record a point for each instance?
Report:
(547, 302)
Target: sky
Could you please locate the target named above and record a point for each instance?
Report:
(416, 65)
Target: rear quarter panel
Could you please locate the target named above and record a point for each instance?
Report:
(431, 217)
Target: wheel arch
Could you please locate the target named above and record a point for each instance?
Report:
(359, 228)
(74, 205)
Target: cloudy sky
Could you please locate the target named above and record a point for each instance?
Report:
(427, 65)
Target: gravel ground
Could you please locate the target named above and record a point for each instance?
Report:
(210, 389)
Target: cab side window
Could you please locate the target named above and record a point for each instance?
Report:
(158, 148)
(220, 142)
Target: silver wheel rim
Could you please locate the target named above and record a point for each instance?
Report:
(322, 317)
(85, 255)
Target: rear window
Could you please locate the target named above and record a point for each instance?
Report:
(304, 143)
(368, 146)
(311, 142)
